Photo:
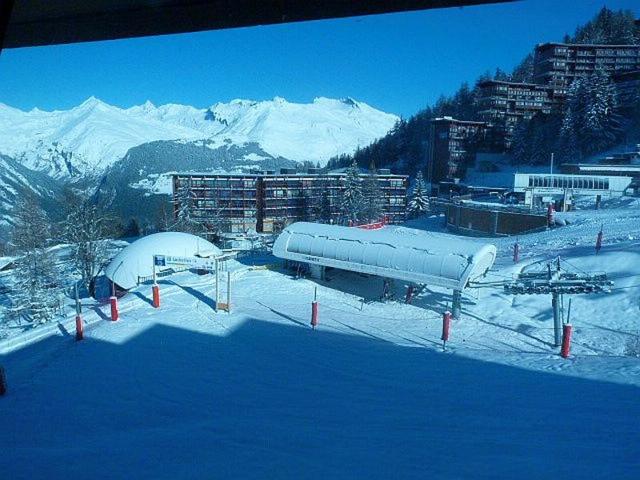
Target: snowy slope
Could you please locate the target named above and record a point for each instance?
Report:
(184, 392)
(94, 135)
(17, 180)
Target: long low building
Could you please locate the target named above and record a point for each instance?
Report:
(539, 186)
(267, 201)
(406, 254)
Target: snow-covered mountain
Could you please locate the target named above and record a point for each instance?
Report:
(93, 136)
(16, 180)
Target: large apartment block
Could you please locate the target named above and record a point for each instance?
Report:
(452, 147)
(267, 201)
(557, 64)
(504, 104)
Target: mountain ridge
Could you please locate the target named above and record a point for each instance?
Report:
(91, 137)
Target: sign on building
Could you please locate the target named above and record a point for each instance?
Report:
(190, 262)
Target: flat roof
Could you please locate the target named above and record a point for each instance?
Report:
(454, 120)
(572, 175)
(583, 45)
(516, 84)
(597, 166)
(298, 174)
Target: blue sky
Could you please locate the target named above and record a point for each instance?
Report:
(399, 62)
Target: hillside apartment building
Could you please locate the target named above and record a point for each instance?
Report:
(267, 201)
(558, 64)
(503, 104)
(452, 145)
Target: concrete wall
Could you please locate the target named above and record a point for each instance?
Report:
(469, 220)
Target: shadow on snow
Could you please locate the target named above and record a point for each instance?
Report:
(275, 400)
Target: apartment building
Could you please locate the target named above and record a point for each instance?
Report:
(267, 201)
(504, 104)
(557, 64)
(452, 147)
(628, 88)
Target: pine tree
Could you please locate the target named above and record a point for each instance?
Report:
(609, 28)
(520, 143)
(310, 208)
(568, 150)
(600, 123)
(351, 198)
(132, 229)
(187, 202)
(35, 295)
(373, 197)
(419, 201)
(523, 73)
(501, 75)
(326, 209)
(592, 111)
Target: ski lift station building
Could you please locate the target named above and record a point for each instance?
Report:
(135, 261)
(414, 256)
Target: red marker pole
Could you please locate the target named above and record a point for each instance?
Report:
(446, 326)
(79, 328)
(114, 308)
(550, 214)
(314, 310)
(566, 340)
(516, 252)
(156, 296)
(155, 289)
(79, 324)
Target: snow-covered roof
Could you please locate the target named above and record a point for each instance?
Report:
(395, 252)
(136, 260)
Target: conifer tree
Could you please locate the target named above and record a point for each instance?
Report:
(373, 197)
(351, 198)
(591, 114)
(35, 296)
(568, 149)
(520, 143)
(187, 202)
(419, 201)
(600, 123)
(326, 208)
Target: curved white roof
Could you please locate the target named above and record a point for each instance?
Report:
(136, 260)
(393, 252)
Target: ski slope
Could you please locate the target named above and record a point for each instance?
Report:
(186, 392)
